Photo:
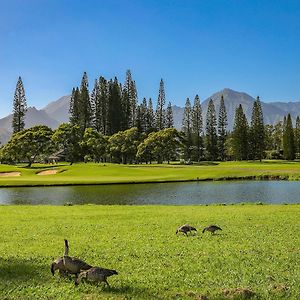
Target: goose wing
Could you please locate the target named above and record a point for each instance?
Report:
(102, 272)
(82, 265)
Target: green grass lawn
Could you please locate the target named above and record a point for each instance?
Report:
(258, 249)
(111, 173)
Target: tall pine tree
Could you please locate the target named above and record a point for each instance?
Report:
(141, 116)
(288, 140)
(197, 128)
(187, 128)
(99, 100)
(85, 107)
(19, 107)
(139, 119)
(222, 132)
(169, 116)
(277, 136)
(160, 110)
(297, 135)
(257, 132)
(134, 101)
(75, 107)
(151, 124)
(94, 99)
(240, 135)
(114, 110)
(211, 138)
(129, 102)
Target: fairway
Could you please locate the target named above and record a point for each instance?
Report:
(92, 173)
(257, 250)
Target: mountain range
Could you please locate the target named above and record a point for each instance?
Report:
(57, 112)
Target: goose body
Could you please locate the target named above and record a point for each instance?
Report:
(58, 264)
(73, 265)
(211, 228)
(96, 274)
(185, 229)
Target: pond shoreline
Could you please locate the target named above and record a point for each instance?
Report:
(232, 178)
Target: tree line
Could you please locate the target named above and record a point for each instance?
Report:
(112, 107)
(108, 124)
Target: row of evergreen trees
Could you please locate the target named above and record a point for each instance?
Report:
(216, 143)
(252, 141)
(112, 107)
(248, 142)
(213, 142)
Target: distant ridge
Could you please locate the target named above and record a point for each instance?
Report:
(59, 109)
(57, 112)
(272, 114)
(33, 117)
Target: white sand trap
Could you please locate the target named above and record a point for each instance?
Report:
(10, 174)
(48, 172)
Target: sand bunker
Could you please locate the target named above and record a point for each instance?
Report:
(48, 172)
(10, 174)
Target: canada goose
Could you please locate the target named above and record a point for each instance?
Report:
(185, 229)
(58, 264)
(73, 265)
(211, 228)
(96, 274)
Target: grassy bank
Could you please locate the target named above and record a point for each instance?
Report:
(110, 173)
(258, 250)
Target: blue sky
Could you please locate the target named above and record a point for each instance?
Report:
(196, 46)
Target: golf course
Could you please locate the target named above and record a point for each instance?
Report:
(256, 255)
(105, 173)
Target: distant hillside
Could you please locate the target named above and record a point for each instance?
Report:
(59, 109)
(177, 116)
(4, 136)
(57, 112)
(33, 117)
(232, 99)
(273, 112)
(288, 107)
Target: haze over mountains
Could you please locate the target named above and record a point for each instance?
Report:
(57, 112)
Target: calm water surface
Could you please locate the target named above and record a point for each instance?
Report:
(162, 193)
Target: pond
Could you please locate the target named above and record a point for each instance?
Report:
(183, 193)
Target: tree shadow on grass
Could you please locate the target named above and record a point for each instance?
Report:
(127, 290)
(19, 271)
(131, 291)
(44, 167)
(13, 269)
(205, 163)
(124, 290)
(273, 162)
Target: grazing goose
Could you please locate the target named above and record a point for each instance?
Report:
(185, 229)
(96, 274)
(58, 264)
(211, 228)
(73, 265)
